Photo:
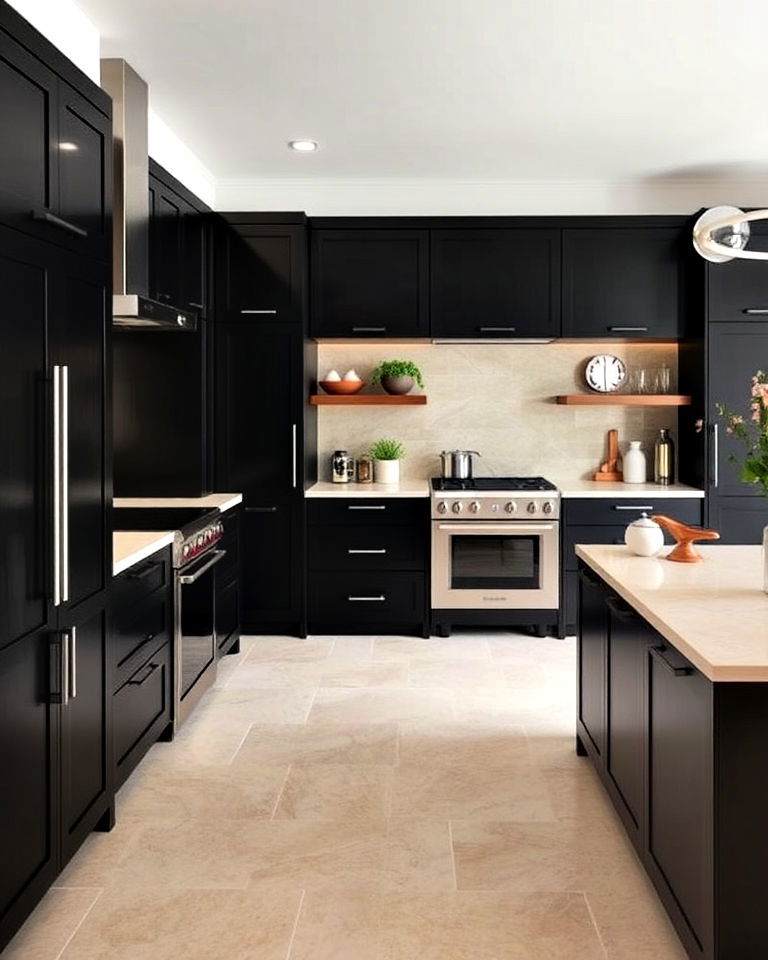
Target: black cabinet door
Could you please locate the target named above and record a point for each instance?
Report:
(738, 519)
(738, 290)
(370, 283)
(194, 260)
(628, 637)
(28, 809)
(593, 622)
(495, 283)
(624, 283)
(680, 768)
(85, 755)
(26, 539)
(259, 406)
(28, 132)
(84, 165)
(165, 236)
(260, 273)
(78, 332)
(272, 562)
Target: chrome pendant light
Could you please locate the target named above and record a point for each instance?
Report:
(722, 234)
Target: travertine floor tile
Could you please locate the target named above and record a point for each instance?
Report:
(157, 924)
(435, 648)
(94, 862)
(457, 744)
(339, 672)
(446, 926)
(332, 791)
(252, 705)
(455, 674)
(291, 744)
(635, 928)
(337, 705)
(53, 923)
(352, 648)
(288, 648)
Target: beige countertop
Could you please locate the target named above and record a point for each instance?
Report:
(407, 488)
(715, 613)
(224, 501)
(131, 546)
(571, 489)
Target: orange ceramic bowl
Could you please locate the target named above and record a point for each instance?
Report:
(342, 388)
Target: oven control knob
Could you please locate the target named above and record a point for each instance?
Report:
(511, 507)
(200, 540)
(548, 507)
(475, 506)
(442, 507)
(457, 507)
(185, 551)
(532, 507)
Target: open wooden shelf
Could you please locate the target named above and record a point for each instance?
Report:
(368, 400)
(625, 399)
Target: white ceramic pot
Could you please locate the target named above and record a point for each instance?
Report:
(644, 537)
(386, 471)
(634, 463)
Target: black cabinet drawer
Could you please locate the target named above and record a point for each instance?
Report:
(141, 708)
(131, 586)
(366, 597)
(624, 510)
(135, 636)
(368, 548)
(359, 510)
(576, 533)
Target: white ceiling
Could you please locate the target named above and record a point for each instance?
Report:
(450, 89)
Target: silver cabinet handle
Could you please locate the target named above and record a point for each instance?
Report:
(716, 454)
(64, 679)
(628, 329)
(72, 638)
(366, 507)
(294, 455)
(187, 578)
(369, 329)
(64, 484)
(642, 506)
(271, 312)
(56, 485)
(497, 329)
(367, 599)
(505, 527)
(658, 654)
(382, 550)
(59, 669)
(756, 311)
(196, 306)
(45, 216)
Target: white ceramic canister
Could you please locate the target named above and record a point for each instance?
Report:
(634, 464)
(644, 537)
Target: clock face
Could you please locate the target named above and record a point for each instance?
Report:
(605, 373)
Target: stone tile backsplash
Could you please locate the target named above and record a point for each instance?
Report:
(497, 399)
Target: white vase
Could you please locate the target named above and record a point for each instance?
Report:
(386, 471)
(765, 559)
(634, 463)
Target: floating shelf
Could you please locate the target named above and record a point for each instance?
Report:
(367, 400)
(625, 400)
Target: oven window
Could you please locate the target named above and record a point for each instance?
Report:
(495, 562)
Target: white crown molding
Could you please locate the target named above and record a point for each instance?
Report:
(372, 197)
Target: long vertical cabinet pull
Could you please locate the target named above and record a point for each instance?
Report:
(716, 457)
(56, 485)
(64, 484)
(72, 662)
(294, 458)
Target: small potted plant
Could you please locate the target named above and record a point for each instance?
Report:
(397, 376)
(387, 454)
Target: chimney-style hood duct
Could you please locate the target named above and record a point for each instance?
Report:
(131, 306)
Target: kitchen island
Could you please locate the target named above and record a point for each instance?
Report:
(673, 712)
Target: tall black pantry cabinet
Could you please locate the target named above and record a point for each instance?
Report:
(55, 483)
(265, 432)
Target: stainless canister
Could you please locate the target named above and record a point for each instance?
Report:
(342, 467)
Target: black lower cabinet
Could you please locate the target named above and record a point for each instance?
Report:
(227, 610)
(367, 566)
(685, 764)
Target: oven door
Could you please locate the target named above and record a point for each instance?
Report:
(510, 565)
(195, 632)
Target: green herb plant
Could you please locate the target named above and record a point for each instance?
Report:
(387, 449)
(397, 368)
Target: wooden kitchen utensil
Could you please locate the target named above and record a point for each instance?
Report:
(684, 534)
(611, 469)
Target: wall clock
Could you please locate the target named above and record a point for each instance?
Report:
(605, 373)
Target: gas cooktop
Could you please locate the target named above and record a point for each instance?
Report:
(492, 484)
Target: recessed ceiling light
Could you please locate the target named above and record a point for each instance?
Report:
(67, 146)
(303, 146)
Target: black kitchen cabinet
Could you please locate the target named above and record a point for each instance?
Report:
(367, 567)
(369, 283)
(260, 270)
(164, 244)
(228, 590)
(592, 656)
(495, 283)
(738, 290)
(625, 282)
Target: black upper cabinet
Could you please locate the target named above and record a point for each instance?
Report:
(623, 282)
(369, 283)
(54, 181)
(738, 290)
(495, 283)
(260, 272)
(164, 246)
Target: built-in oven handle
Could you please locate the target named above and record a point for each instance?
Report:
(187, 578)
(504, 527)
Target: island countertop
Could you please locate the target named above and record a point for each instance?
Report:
(131, 546)
(715, 613)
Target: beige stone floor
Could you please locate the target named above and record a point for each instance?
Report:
(364, 798)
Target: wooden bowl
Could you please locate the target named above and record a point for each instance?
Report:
(342, 388)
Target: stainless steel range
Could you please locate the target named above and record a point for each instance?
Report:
(495, 552)
(194, 557)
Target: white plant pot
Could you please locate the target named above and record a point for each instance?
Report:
(386, 471)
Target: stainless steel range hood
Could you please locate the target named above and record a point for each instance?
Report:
(131, 305)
